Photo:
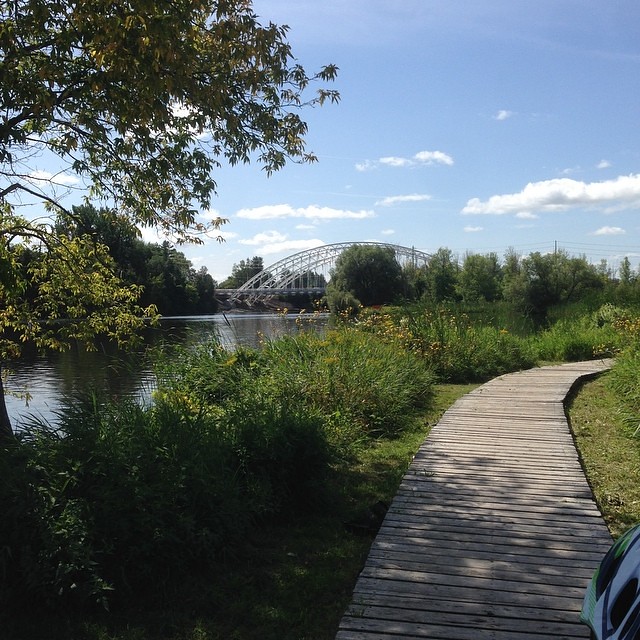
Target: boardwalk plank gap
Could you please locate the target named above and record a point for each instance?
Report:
(494, 532)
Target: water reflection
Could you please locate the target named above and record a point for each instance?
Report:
(38, 382)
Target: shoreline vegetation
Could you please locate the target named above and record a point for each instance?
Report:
(220, 511)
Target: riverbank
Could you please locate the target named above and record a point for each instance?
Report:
(290, 580)
(39, 382)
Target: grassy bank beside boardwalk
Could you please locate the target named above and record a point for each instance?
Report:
(220, 511)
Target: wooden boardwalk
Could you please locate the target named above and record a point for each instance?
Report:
(494, 532)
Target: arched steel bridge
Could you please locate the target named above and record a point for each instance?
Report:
(304, 272)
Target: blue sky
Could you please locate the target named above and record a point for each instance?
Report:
(473, 125)
(476, 125)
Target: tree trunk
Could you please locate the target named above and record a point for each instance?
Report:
(6, 432)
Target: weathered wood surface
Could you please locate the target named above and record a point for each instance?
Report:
(494, 532)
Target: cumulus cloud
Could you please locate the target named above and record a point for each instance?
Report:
(433, 157)
(422, 158)
(413, 197)
(394, 161)
(609, 231)
(470, 229)
(367, 165)
(57, 179)
(503, 114)
(153, 235)
(560, 194)
(290, 246)
(223, 234)
(211, 214)
(603, 164)
(270, 237)
(313, 212)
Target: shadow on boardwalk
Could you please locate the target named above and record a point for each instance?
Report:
(494, 532)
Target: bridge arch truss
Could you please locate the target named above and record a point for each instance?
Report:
(309, 270)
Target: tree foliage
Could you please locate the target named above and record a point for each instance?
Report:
(57, 289)
(140, 102)
(243, 271)
(541, 281)
(441, 275)
(144, 100)
(370, 274)
(165, 277)
(479, 278)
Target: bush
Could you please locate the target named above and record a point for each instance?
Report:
(581, 338)
(349, 373)
(454, 348)
(124, 499)
(624, 379)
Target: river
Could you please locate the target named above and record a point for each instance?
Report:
(39, 382)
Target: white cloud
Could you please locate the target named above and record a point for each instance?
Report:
(393, 161)
(367, 165)
(470, 229)
(560, 194)
(288, 246)
(421, 158)
(433, 157)
(57, 179)
(609, 231)
(153, 235)
(391, 200)
(312, 212)
(305, 227)
(270, 237)
(211, 214)
(225, 235)
(387, 232)
(527, 215)
(503, 114)
(603, 164)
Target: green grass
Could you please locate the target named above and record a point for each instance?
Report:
(609, 450)
(290, 580)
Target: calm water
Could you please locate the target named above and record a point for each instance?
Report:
(40, 382)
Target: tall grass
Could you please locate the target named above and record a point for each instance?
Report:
(121, 499)
(456, 349)
(348, 374)
(625, 376)
(571, 341)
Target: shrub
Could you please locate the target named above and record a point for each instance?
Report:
(580, 338)
(121, 498)
(353, 374)
(624, 379)
(453, 347)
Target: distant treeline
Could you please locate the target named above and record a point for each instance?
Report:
(531, 284)
(167, 278)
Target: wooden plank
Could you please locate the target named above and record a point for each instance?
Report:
(448, 547)
(481, 561)
(453, 619)
(442, 590)
(493, 532)
(423, 488)
(490, 610)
